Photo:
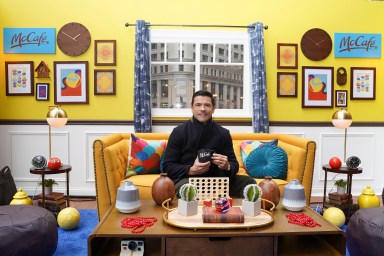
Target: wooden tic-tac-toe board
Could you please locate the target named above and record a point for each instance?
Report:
(211, 188)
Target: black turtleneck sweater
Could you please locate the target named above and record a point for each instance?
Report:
(187, 138)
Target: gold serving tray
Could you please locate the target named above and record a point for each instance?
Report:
(195, 222)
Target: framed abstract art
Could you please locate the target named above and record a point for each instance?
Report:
(341, 98)
(71, 82)
(287, 56)
(42, 91)
(363, 83)
(286, 84)
(105, 82)
(19, 78)
(317, 87)
(105, 52)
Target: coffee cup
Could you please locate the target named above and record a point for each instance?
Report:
(205, 155)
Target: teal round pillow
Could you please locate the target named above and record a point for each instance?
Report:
(267, 161)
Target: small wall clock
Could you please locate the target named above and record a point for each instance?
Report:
(73, 39)
(42, 70)
(316, 44)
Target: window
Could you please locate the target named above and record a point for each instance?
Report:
(216, 61)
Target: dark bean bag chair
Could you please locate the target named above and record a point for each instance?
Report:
(365, 232)
(27, 230)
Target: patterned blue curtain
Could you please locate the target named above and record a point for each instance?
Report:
(142, 87)
(260, 121)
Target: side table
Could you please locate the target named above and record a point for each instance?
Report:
(46, 171)
(342, 170)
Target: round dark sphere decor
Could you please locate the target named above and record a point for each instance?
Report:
(39, 162)
(353, 162)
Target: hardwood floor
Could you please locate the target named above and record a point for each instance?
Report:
(83, 203)
(80, 202)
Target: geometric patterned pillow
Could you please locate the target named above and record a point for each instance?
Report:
(247, 146)
(144, 156)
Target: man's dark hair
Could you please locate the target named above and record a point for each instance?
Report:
(205, 94)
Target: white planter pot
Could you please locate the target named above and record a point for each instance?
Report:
(341, 190)
(187, 208)
(127, 198)
(47, 190)
(251, 208)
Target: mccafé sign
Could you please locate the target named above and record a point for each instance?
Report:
(29, 40)
(352, 45)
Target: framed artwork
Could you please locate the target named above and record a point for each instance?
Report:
(286, 84)
(105, 52)
(363, 83)
(71, 82)
(317, 87)
(287, 56)
(105, 82)
(42, 91)
(341, 98)
(19, 78)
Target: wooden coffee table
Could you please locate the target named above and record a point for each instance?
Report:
(278, 238)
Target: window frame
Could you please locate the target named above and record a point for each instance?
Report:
(199, 37)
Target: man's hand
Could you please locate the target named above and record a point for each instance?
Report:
(221, 161)
(199, 168)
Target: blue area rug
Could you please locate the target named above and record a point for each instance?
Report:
(344, 227)
(74, 242)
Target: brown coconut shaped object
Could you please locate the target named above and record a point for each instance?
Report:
(271, 191)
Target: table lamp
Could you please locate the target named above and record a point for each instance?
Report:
(56, 117)
(342, 119)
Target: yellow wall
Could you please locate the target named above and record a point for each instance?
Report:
(287, 21)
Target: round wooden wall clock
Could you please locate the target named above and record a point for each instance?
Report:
(73, 39)
(316, 44)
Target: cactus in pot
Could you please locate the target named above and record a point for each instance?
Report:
(252, 192)
(188, 192)
(187, 204)
(251, 204)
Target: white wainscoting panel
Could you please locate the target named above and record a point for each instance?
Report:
(73, 145)
(24, 145)
(361, 145)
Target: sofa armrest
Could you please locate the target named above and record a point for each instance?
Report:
(110, 154)
(304, 168)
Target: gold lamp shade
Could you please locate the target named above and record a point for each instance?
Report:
(56, 116)
(342, 119)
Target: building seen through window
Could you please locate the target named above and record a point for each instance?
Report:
(178, 69)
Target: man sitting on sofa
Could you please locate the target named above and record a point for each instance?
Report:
(201, 132)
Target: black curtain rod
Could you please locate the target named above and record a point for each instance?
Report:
(196, 26)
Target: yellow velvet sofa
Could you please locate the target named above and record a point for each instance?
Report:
(110, 154)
